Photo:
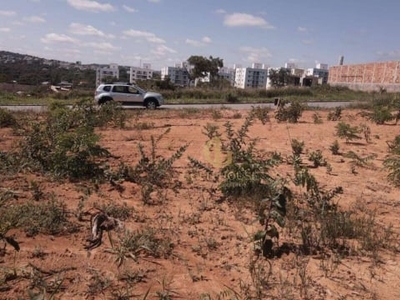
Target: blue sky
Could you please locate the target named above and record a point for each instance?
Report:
(166, 32)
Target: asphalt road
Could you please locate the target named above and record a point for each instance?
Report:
(39, 108)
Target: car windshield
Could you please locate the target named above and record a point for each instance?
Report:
(140, 89)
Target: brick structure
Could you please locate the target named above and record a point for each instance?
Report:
(367, 77)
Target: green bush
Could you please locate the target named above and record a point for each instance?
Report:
(335, 115)
(380, 115)
(7, 119)
(297, 146)
(392, 163)
(65, 144)
(232, 98)
(290, 114)
(317, 158)
(335, 148)
(348, 132)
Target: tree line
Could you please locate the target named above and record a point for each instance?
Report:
(35, 72)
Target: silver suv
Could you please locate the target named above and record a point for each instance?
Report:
(127, 94)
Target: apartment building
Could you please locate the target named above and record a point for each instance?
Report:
(109, 71)
(321, 71)
(254, 77)
(143, 73)
(227, 74)
(179, 74)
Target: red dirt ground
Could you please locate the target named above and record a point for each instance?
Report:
(213, 254)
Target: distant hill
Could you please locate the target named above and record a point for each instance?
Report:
(32, 70)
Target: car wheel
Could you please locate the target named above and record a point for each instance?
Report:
(151, 104)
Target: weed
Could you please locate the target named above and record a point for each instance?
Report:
(37, 192)
(348, 132)
(335, 115)
(46, 217)
(297, 146)
(356, 160)
(335, 147)
(152, 171)
(98, 283)
(237, 115)
(231, 98)
(394, 146)
(246, 172)
(380, 115)
(143, 125)
(392, 164)
(64, 145)
(166, 292)
(38, 252)
(148, 241)
(261, 113)
(271, 213)
(216, 114)
(317, 118)
(121, 212)
(211, 131)
(366, 130)
(290, 114)
(211, 243)
(7, 119)
(317, 158)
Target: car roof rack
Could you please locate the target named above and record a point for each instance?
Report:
(119, 82)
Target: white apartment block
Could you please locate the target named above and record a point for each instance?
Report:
(178, 75)
(227, 74)
(321, 71)
(103, 72)
(251, 78)
(142, 73)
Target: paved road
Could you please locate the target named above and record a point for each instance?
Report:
(39, 108)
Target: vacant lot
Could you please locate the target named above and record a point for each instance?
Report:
(179, 235)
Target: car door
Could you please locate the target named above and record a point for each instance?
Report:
(120, 93)
(135, 96)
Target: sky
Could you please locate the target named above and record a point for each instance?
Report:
(166, 32)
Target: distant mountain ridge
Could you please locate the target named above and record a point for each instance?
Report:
(33, 70)
(13, 57)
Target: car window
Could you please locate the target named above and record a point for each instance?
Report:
(107, 88)
(132, 90)
(120, 89)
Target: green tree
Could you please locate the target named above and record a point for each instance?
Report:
(203, 66)
(281, 77)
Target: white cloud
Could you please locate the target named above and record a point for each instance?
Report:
(92, 6)
(154, 1)
(241, 20)
(220, 11)
(102, 46)
(7, 13)
(57, 38)
(256, 54)
(206, 40)
(34, 19)
(389, 54)
(307, 42)
(302, 29)
(162, 50)
(194, 43)
(5, 29)
(81, 29)
(148, 36)
(129, 9)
